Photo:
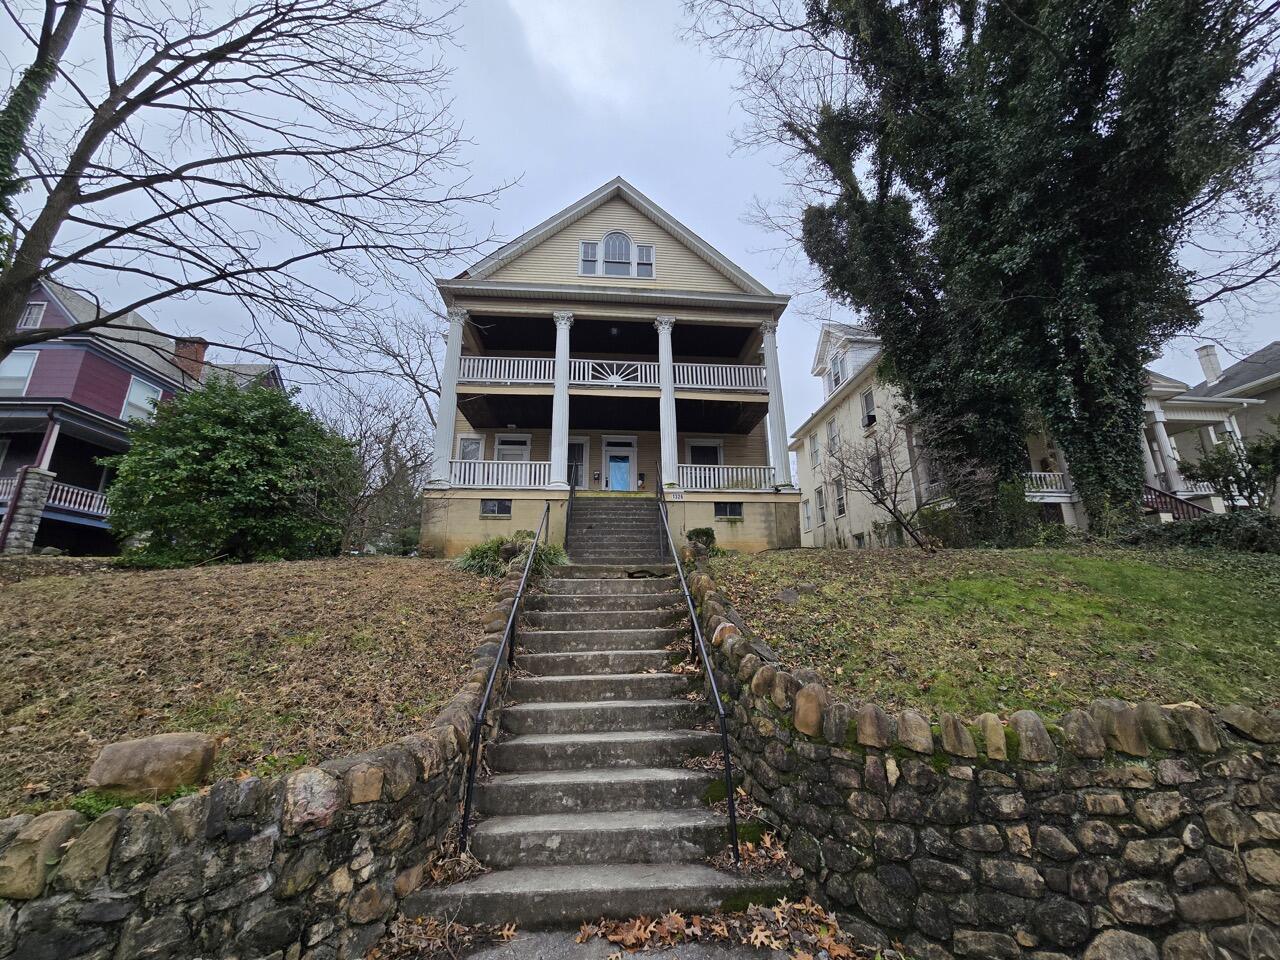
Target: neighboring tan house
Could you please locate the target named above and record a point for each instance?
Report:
(612, 349)
(847, 359)
(65, 403)
(1254, 381)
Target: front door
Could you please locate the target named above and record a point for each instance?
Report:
(619, 471)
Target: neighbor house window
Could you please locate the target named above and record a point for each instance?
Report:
(617, 255)
(833, 435)
(15, 373)
(860, 541)
(590, 251)
(4, 450)
(821, 496)
(140, 402)
(806, 515)
(644, 261)
(837, 370)
(728, 511)
(31, 316)
(495, 508)
(838, 489)
(813, 450)
(868, 408)
(875, 467)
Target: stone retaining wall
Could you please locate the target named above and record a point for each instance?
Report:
(1121, 832)
(311, 864)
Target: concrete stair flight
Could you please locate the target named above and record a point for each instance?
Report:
(614, 529)
(590, 811)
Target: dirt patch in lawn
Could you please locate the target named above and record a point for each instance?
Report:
(970, 631)
(291, 662)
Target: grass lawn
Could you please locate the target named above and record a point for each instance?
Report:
(292, 662)
(976, 630)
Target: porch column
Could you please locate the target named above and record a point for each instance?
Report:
(667, 403)
(1172, 476)
(45, 454)
(1148, 462)
(777, 415)
(448, 408)
(560, 403)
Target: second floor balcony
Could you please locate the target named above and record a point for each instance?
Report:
(712, 377)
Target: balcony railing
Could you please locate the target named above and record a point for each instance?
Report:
(614, 373)
(611, 373)
(508, 369)
(500, 473)
(79, 499)
(1046, 482)
(694, 476)
(720, 376)
(6, 488)
(1197, 488)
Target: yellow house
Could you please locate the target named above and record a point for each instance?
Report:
(610, 352)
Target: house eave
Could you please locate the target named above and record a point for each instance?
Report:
(451, 290)
(838, 397)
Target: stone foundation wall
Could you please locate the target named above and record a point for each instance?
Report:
(1120, 832)
(311, 864)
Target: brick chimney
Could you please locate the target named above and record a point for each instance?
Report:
(1208, 355)
(188, 355)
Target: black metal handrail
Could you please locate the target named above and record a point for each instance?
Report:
(508, 647)
(698, 647)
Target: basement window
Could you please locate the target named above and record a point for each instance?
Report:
(498, 509)
(728, 510)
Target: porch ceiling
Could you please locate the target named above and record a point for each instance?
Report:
(630, 339)
(490, 411)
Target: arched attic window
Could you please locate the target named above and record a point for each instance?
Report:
(617, 255)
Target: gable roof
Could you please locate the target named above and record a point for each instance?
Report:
(833, 334)
(620, 189)
(1262, 364)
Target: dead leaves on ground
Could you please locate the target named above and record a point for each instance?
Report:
(804, 930)
(433, 938)
(766, 856)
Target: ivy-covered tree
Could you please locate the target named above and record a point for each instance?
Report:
(240, 474)
(1002, 187)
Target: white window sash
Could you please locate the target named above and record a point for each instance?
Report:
(20, 367)
(32, 315)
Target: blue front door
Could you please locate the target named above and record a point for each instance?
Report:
(619, 472)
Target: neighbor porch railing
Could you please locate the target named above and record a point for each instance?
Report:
(500, 473)
(6, 488)
(1045, 482)
(80, 499)
(694, 476)
(1197, 488)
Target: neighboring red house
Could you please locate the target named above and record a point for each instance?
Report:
(67, 402)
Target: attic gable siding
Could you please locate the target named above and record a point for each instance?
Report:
(555, 260)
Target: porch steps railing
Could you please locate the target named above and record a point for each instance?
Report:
(694, 476)
(1159, 501)
(500, 473)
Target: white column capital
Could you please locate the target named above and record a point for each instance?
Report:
(664, 324)
(769, 327)
(458, 314)
(563, 318)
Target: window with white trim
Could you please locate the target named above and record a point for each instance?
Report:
(512, 449)
(837, 371)
(140, 401)
(814, 450)
(821, 497)
(15, 372)
(833, 435)
(806, 515)
(838, 489)
(470, 448)
(876, 468)
(589, 254)
(868, 408)
(615, 255)
(32, 314)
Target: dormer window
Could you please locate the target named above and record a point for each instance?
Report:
(615, 256)
(837, 371)
(31, 316)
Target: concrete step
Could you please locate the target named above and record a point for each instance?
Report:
(628, 558)
(541, 897)
(633, 836)
(581, 641)
(612, 585)
(616, 619)
(616, 788)
(612, 571)
(575, 751)
(598, 716)
(599, 686)
(571, 602)
(598, 661)
(604, 537)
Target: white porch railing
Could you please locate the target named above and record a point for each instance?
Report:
(507, 369)
(6, 488)
(1197, 488)
(720, 376)
(695, 476)
(614, 373)
(1046, 482)
(499, 473)
(80, 499)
